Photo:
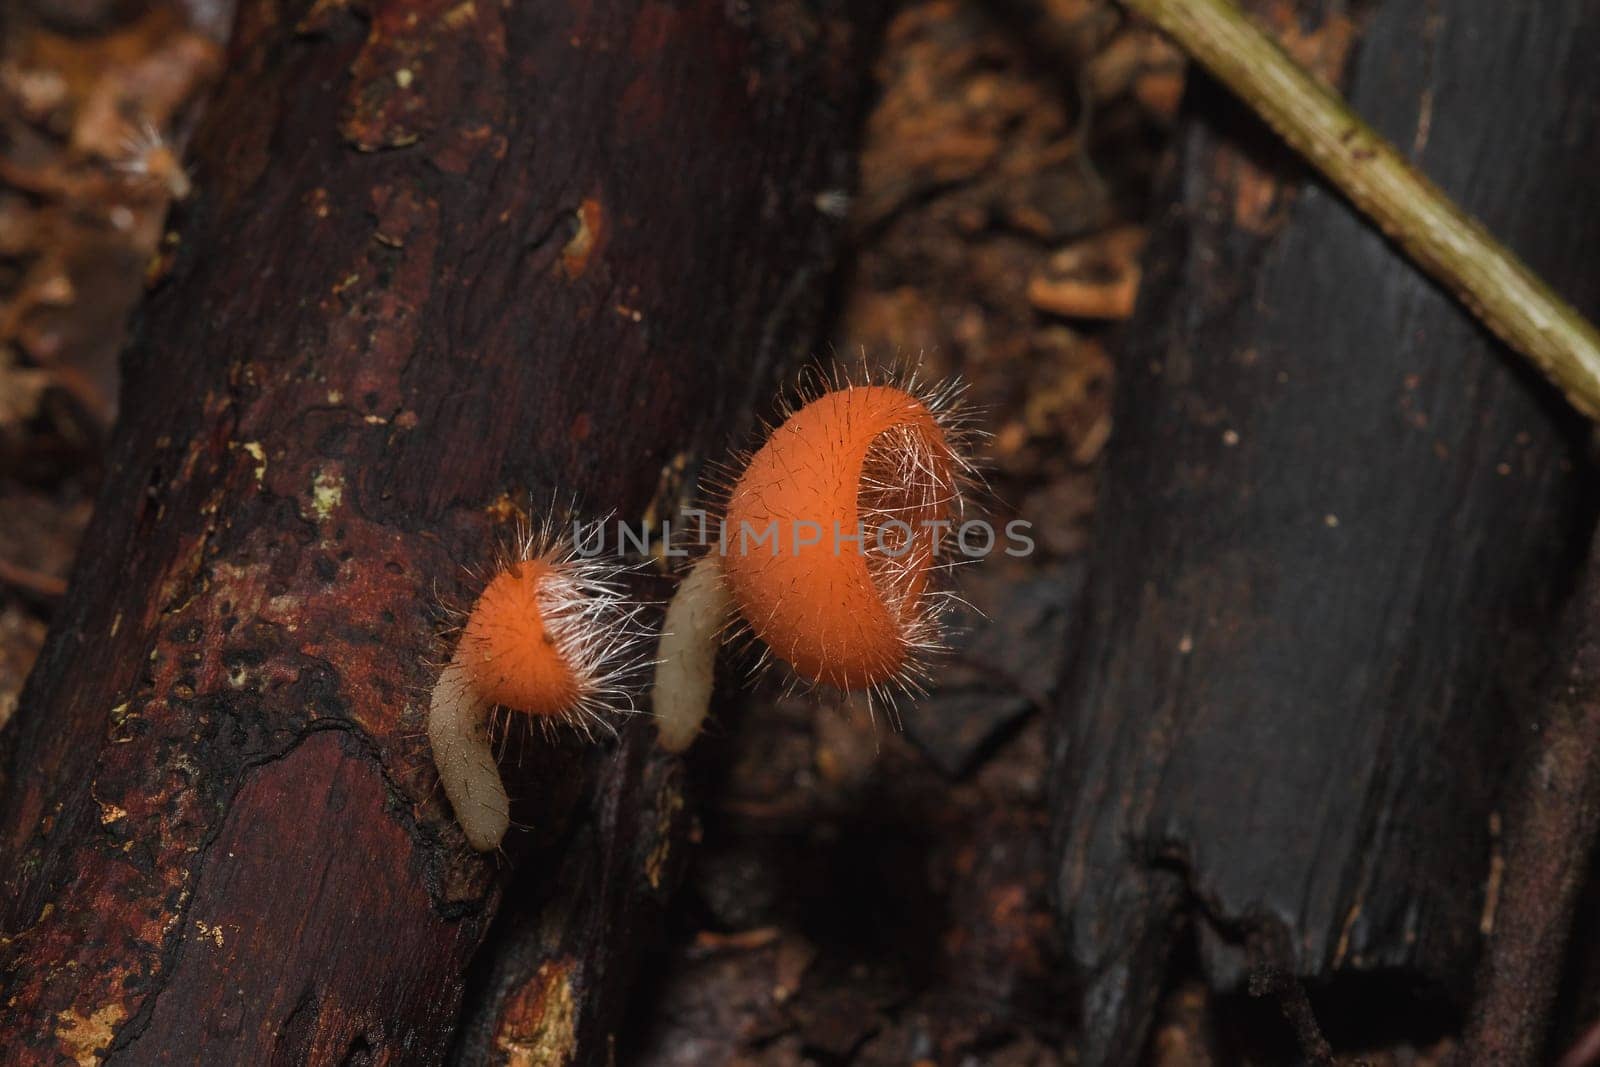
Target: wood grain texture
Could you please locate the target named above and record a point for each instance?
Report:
(1552, 817)
(1337, 525)
(442, 256)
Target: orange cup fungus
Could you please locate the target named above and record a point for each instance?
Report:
(830, 543)
(551, 638)
(856, 487)
(508, 648)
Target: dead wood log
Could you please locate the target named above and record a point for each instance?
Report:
(1553, 813)
(1337, 526)
(442, 258)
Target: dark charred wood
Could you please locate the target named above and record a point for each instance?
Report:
(1338, 525)
(443, 258)
(1552, 817)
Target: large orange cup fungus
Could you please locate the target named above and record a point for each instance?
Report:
(831, 537)
(851, 494)
(550, 638)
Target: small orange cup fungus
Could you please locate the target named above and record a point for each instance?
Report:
(831, 539)
(508, 648)
(551, 637)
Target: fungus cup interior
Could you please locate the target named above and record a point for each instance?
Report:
(866, 471)
(511, 654)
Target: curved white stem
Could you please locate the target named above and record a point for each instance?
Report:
(687, 656)
(458, 729)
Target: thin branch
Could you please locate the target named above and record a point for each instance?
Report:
(1443, 240)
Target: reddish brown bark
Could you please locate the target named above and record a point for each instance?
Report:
(442, 257)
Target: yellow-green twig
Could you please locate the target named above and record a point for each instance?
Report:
(1445, 241)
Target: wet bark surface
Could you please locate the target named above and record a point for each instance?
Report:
(442, 260)
(1337, 523)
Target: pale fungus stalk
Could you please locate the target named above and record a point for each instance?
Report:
(458, 730)
(551, 640)
(687, 657)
